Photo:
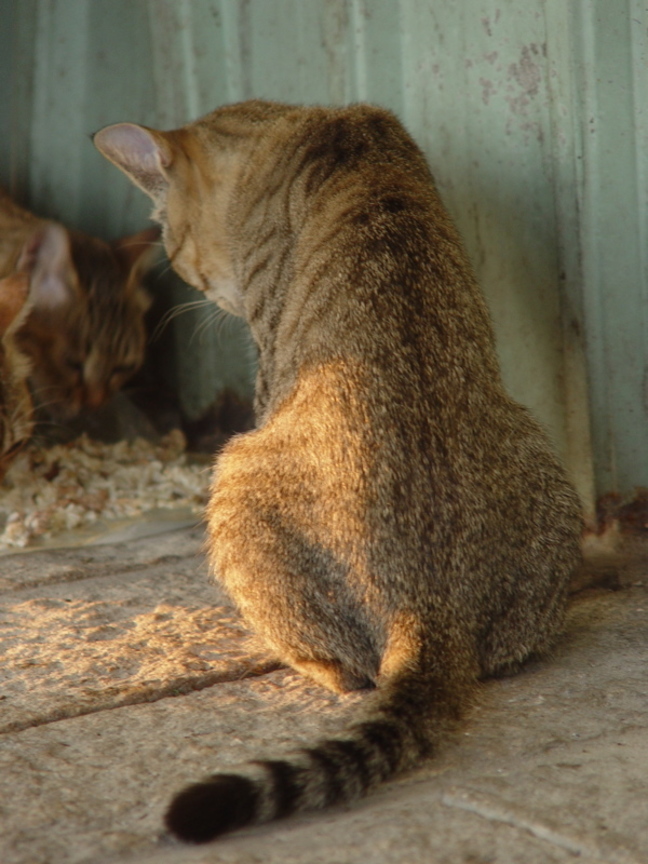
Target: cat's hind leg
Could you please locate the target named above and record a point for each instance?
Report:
(332, 674)
(291, 584)
(305, 616)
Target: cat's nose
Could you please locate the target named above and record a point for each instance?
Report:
(95, 396)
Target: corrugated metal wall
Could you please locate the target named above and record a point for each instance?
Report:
(532, 113)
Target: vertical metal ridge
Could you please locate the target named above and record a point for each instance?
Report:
(534, 117)
(564, 167)
(611, 240)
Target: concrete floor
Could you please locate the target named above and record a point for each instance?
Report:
(125, 674)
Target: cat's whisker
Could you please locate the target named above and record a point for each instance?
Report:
(44, 425)
(166, 267)
(202, 331)
(50, 420)
(212, 322)
(47, 403)
(173, 313)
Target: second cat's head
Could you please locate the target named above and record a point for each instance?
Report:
(85, 334)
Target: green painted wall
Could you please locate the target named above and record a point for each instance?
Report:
(533, 116)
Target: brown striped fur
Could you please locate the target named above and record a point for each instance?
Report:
(16, 408)
(395, 519)
(85, 334)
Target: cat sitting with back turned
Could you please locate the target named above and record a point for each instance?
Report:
(395, 520)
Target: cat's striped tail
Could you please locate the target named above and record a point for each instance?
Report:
(403, 722)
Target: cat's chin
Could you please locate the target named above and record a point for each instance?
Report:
(227, 303)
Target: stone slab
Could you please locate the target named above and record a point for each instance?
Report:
(551, 766)
(48, 566)
(91, 636)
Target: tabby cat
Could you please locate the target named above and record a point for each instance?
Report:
(85, 334)
(16, 409)
(396, 519)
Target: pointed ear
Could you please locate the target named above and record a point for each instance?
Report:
(142, 154)
(137, 252)
(47, 259)
(13, 296)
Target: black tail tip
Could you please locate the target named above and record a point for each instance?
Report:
(203, 811)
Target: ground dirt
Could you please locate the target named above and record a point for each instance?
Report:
(125, 673)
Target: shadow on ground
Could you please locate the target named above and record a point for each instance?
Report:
(125, 674)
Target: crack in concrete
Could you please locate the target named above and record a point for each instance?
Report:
(494, 811)
(79, 573)
(180, 686)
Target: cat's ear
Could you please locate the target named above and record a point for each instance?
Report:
(14, 291)
(137, 253)
(47, 259)
(142, 154)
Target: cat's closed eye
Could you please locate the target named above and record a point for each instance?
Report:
(125, 369)
(74, 365)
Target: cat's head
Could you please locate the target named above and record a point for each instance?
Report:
(16, 409)
(191, 174)
(85, 334)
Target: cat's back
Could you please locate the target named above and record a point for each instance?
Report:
(378, 369)
(344, 248)
(348, 259)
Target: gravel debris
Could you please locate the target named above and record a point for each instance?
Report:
(59, 488)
